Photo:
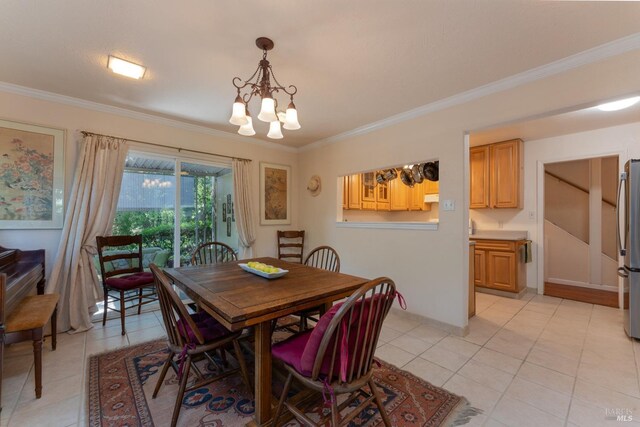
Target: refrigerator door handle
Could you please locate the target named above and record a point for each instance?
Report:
(623, 273)
(621, 249)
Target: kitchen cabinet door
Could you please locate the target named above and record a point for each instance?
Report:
(479, 264)
(368, 191)
(505, 164)
(479, 175)
(416, 198)
(431, 187)
(354, 191)
(501, 270)
(383, 197)
(345, 192)
(399, 194)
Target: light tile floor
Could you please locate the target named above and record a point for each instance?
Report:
(539, 361)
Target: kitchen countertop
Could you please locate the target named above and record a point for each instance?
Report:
(499, 235)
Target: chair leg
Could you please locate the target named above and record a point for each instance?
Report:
(183, 386)
(37, 356)
(106, 306)
(163, 373)
(379, 404)
(139, 300)
(283, 397)
(54, 328)
(243, 366)
(122, 311)
(335, 413)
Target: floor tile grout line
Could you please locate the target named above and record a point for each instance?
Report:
(575, 379)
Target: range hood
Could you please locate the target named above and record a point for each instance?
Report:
(432, 198)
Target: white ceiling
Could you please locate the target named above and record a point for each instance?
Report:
(354, 62)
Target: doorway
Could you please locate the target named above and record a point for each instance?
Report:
(580, 256)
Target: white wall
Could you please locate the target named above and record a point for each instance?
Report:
(623, 140)
(73, 119)
(431, 267)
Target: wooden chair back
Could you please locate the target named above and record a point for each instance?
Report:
(213, 253)
(131, 248)
(174, 311)
(357, 325)
(291, 245)
(324, 257)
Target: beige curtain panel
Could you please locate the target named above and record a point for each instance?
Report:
(90, 213)
(245, 218)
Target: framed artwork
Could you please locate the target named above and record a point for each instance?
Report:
(275, 194)
(228, 199)
(233, 212)
(224, 212)
(228, 227)
(31, 176)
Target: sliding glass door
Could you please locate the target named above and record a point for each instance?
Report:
(152, 184)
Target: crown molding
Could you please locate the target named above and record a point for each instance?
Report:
(146, 117)
(589, 56)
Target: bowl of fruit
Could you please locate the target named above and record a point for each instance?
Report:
(263, 270)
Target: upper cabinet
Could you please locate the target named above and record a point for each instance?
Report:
(496, 175)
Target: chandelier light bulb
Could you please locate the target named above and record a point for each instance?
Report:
(238, 117)
(268, 110)
(291, 119)
(247, 130)
(274, 130)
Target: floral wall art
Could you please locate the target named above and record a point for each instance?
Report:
(31, 176)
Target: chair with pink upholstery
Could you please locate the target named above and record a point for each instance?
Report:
(124, 281)
(337, 355)
(192, 337)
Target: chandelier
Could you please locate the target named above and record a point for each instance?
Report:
(259, 84)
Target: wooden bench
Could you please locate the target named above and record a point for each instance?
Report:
(27, 322)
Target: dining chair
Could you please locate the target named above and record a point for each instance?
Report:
(191, 337)
(326, 258)
(291, 245)
(337, 355)
(213, 253)
(123, 278)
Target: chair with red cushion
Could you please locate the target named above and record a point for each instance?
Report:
(125, 281)
(337, 355)
(190, 338)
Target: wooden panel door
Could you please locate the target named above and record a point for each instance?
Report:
(345, 192)
(505, 174)
(479, 267)
(501, 270)
(368, 191)
(398, 193)
(383, 198)
(431, 187)
(479, 175)
(416, 198)
(354, 191)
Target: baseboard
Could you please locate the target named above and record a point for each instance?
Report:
(447, 327)
(512, 295)
(583, 294)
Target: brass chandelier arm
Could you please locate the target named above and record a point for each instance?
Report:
(281, 87)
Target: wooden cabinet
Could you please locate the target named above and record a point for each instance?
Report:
(415, 198)
(498, 265)
(479, 175)
(495, 172)
(368, 191)
(431, 187)
(399, 195)
(354, 199)
(382, 197)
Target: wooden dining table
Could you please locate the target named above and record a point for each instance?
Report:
(239, 299)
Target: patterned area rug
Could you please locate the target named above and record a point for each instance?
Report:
(121, 383)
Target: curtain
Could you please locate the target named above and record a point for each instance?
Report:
(243, 207)
(90, 212)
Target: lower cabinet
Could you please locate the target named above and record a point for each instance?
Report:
(498, 265)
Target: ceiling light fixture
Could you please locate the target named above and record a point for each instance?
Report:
(125, 68)
(259, 84)
(619, 105)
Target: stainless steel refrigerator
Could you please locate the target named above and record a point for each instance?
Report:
(629, 245)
